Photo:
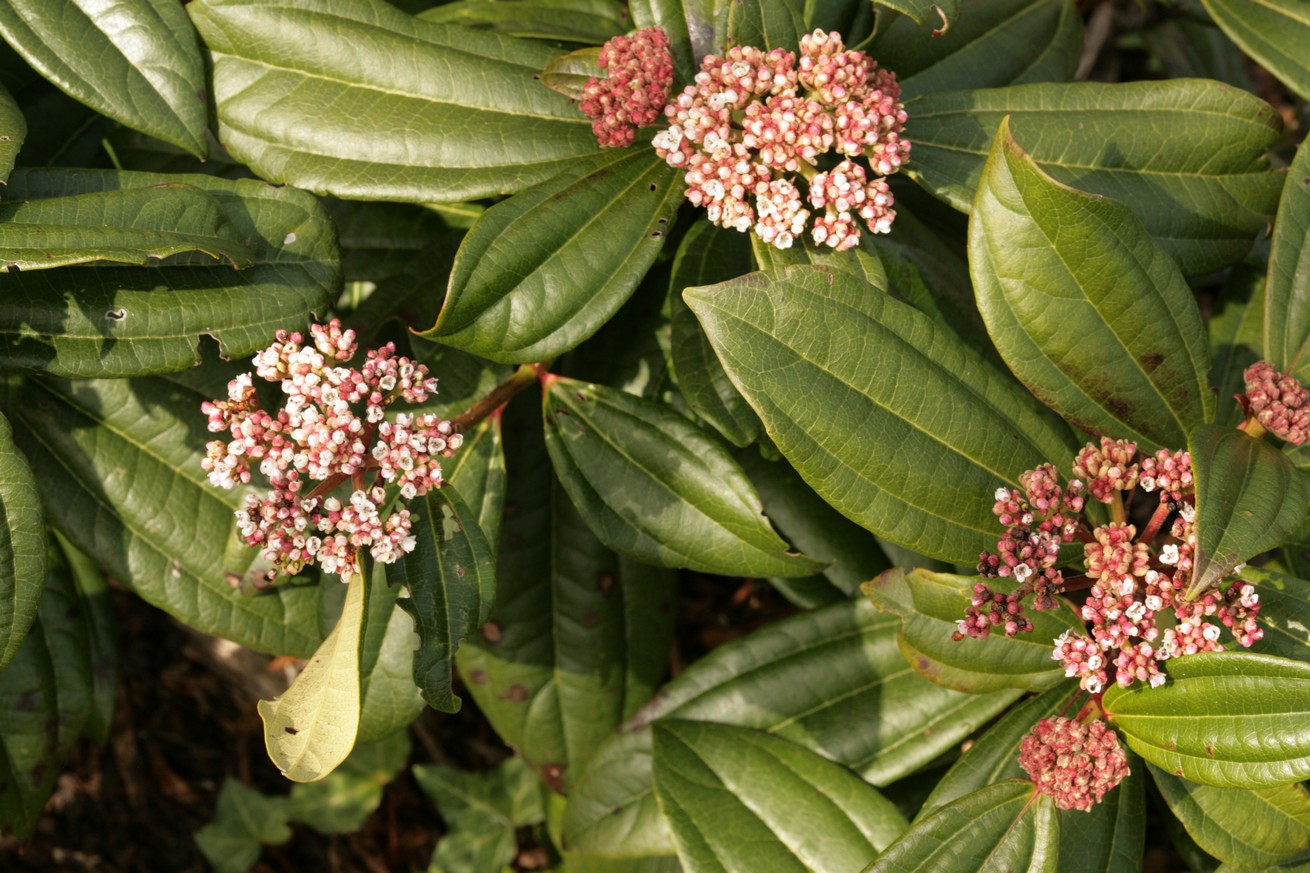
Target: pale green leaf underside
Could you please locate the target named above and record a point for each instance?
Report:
(136, 61)
(356, 98)
(1276, 34)
(22, 546)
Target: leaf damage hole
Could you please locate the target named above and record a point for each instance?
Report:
(116, 314)
(654, 187)
(291, 730)
(289, 238)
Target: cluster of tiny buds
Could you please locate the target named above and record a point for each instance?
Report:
(751, 116)
(331, 430)
(1073, 763)
(636, 89)
(1278, 402)
(1131, 583)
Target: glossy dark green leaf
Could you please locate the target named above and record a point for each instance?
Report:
(568, 74)
(812, 350)
(478, 473)
(578, 636)
(358, 99)
(817, 529)
(832, 680)
(692, 27)
(1230, 719)
(766, 24)
(656, 488)
(941, 14)
(1248, 498)
(540, 272)
(163, 529)
(587, 21)
(48, 696)
(1244, 827)
(119, 320)
(343, 802)
(13, 130)
(740, 799)
(1112, 836)
(930, 605)
(482, 813)
(1000, 827)
(312, 727)
(1276, 35)
(137, 226)
(451, 579)
(1285, 603)
(860, 261)
(1085, 308)
(708, 254)
(1185, 155)
(137, 61)
(1287, 301)
(1235, 327)
(1003, 42)
(243, 823)
(22, 546)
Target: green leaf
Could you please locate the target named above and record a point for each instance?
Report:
(1276, 35)
(585, 21)
(96, 613)
(1235, 327)
(122, 321)
(1248, 498)
(389, 699)
(810, 349)
(1046, 258)
(1112, 836)
(1230, 719)
(482, 813)
(356, 98)
(766, 24)
(311, 728)
(1000, 827)
(22, 546)
(1287, 300)
(738, 799)
(137, 63)
(163, 529)
(1185, 155)
(578, 637)
(941, 14)
(657, 489)
(832, 680)
(1004, 42)
(243, 824)
(452, 583)
(708, 254)
(48, 695)
(343, 802)
(1240, 826)
(540, 272)
(817, 529)
(478, 474)
(930, 605)
(692, 27)
(568, 74)
(136, 226)
(13, 130)
(1285, 603)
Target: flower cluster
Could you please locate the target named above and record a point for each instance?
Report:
(331, 430)
(1132, 579)
(634, 93)
(750, 133)
(1075, 764)
(1278, 402)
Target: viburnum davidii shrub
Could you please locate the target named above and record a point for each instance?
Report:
(482, 326)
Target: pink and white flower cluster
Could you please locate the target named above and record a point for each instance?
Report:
(1072, 762)
(331, 430)
(1135, 612)
(633, 94)
(750, 132)
(1279, 402)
